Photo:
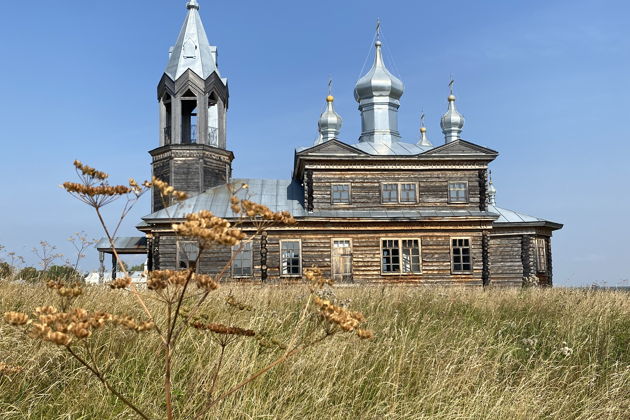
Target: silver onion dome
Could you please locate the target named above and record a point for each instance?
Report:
(424, 141)
(378, 94)
(329, 123)
(452, 122)
(378, 81)
(492, 194)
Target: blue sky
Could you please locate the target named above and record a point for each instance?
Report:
(546, 83)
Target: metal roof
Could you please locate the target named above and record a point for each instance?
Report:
(192, 49)
(124, 245)
(398, 148)
(277, 194)
(510, 216)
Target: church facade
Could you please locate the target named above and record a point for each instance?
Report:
(378, 210)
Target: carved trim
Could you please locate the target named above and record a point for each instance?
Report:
(150, 254)
(263, 256)
(485, 258)
(309, 191)
(483, 190)
(526, 249)
(549, 263)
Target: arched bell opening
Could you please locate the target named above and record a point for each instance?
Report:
(166, 109)
(213, 120)
(189, 118)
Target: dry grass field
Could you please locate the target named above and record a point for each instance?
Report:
(437, 353)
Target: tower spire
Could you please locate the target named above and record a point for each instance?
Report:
(452, 122)
(192, 49)
(378, 93)
(424, 141)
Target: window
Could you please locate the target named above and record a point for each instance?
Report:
(389, 193)
(187, 253)
(290, 258)
(400, 256)
(541, 255)
(340, 193)
(410, 256)
(402, 192)
(458, 192)
(407, 193)
(460, 254)
(243, 261)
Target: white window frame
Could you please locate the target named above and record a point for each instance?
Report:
(239, 249)
(332, 201)
(541, 245)
(467, 198)
(399, 185)
(178, 260)
(400, 271)
(299, 241)
(453, 271)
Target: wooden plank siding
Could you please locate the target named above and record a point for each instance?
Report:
(506, 266)
(435, 254)
(365, 186)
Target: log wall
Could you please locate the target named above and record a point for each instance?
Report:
(365, 186)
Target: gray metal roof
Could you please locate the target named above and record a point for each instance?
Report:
(192, 49)
(510, 216)
(398, 148)
(277, 194)
(124, 245)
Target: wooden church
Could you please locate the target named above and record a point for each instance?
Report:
(378, 210)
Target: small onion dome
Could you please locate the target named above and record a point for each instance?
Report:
(192, 4)
(378, 81)
(329, 122)
(424, 141)
(492, 194)
(452, 122)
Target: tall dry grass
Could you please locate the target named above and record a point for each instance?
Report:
(438, 353)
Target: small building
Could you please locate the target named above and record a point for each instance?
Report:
(381, 209)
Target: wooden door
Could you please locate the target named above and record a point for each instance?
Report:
(341, 260)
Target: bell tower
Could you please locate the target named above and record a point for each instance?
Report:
(193, 103)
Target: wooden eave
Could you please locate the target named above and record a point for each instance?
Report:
(192, 147)
(459, 150)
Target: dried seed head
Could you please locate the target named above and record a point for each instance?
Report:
(120, 283)
(16, 318)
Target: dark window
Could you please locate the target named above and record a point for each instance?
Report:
(391, 256)
(187, 253)
(390, 193)
(541, 255)
(340, 193)
(410, 256)
(458, 192)
(460, 250)
(243, 260)
(407, 193)
(291, 258)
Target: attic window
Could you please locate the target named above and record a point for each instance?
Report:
(340, 193)
(389, 193)
(458, 192)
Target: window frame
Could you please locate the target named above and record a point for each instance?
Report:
(399, 185)
(472, 267)
(179, 243)
(299, 241)
(332, 200)
(235, 249)
(400, 271)
(467, 198)
(540, 244)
